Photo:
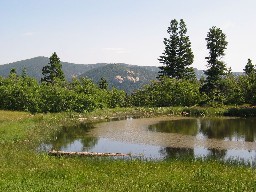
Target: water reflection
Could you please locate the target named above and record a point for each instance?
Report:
(184, 126)
(198, 152)
(242, 156)
(235, 129)
(72, 136)
(163, 139)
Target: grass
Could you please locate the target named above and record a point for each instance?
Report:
(23, 169)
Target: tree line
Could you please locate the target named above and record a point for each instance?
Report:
(176, 85)
(54, 94)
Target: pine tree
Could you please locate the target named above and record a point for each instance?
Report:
(178, 55)
(249, 68)
(103, 84)
(53, 71)
(24, 73)
(13, 73)
(216, 44)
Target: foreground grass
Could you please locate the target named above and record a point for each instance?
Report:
(23, 169)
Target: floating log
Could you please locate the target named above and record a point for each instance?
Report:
(64, 153)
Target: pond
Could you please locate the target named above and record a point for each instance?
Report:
(164, 137)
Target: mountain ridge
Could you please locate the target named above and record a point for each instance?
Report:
(123, 76)
(119, 75)
(35, 65)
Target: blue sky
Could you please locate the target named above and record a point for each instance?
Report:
(126, 31)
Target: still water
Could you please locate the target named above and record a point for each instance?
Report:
(166, 137)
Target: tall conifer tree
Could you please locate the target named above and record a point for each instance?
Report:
(103, 84)
(216, 44)
(53, 71)
(249, 68)
(178, 55)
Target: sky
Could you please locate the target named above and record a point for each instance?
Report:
(122, 31)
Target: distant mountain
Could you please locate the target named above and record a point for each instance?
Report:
(123, 76)
(35, 65)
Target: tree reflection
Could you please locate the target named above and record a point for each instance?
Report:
(184, 126)
(189, 153)
(216, 153)
(70, 134)
(176, 153)
(230, 129)
(218, 128)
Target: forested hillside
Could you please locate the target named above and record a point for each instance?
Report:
(35, 65)
(123, 76)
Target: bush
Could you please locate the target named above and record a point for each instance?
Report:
(168, 92)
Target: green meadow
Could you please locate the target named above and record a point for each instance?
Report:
(23, 168)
